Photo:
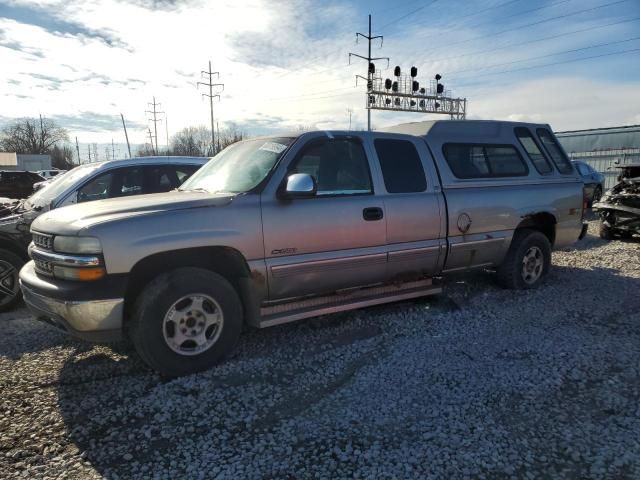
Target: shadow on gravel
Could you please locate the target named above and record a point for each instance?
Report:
(93, 389)
(21, 334)
(119, 413)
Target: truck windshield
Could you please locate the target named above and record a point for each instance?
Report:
(239, 167)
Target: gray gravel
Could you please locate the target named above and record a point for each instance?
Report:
(477, 383)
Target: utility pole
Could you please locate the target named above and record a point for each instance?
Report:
(126, 135)
(151, 141)
(370, 67)
(78, 150)
(155, 120)
(89, 148)
(210, 84)
(349, 112)
(113, 150)
(166, 128)
(218, 129)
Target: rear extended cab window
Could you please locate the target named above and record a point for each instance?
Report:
(540, 162)
(551, 146)
(401, 166)
(468, 160)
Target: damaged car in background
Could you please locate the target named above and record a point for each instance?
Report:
(619, 208)
(94, 181)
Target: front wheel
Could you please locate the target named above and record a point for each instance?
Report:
(186, 321)
(527, 262)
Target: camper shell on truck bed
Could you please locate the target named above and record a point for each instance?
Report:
(284, 228)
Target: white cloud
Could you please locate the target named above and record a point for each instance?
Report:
(283, 63)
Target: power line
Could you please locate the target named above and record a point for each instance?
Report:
(563, 62)
(502, 18)
(544, 56)
(528, 42)
(334, 52)
(408, 14)
(453, 24)
(538, 22)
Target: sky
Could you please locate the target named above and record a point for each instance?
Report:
(285, 65)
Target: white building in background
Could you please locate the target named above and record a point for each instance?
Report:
(26, 161)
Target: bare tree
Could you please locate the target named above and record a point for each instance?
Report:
(231, 134)
(62, 158)
(192, 141)
(145, 150)
(30, 135)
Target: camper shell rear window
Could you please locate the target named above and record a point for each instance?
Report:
(472, 160)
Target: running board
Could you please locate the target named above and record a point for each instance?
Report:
(346, 300)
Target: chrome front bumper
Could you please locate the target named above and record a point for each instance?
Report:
(92, 320)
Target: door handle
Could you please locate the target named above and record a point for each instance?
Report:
(372, 214)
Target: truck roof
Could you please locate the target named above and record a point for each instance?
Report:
(431, 128)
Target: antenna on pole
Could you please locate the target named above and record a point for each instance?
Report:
(211, 95)
(371, 69)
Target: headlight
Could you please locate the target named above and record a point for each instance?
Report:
(76, 244)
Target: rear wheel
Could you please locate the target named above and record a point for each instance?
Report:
(10, 265)
(527, 262)
(186, 321)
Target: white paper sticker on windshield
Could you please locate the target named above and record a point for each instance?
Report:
(273, 147)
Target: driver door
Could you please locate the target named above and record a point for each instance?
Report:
(333, 240)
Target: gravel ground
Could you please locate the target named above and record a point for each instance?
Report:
(476, 383)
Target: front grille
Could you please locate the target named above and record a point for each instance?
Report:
(43, 267)
(43, 241)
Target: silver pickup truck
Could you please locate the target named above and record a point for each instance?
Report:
(284, 228)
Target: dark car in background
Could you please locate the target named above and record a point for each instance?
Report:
(93, 181)
(17, 184)
(593, 182)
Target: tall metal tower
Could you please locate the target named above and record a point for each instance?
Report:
(371, 67)
(155, 121)
(211, 95)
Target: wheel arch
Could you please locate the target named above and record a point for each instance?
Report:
(226, 261)
(14, 247)
(543, 222)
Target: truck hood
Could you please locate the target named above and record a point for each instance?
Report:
(72, 219)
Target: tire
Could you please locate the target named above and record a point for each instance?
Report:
(527, 262)
(173, 326)
(10, 265)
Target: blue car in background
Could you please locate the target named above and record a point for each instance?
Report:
(593, 182)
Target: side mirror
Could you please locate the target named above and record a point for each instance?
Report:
(299, 185)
